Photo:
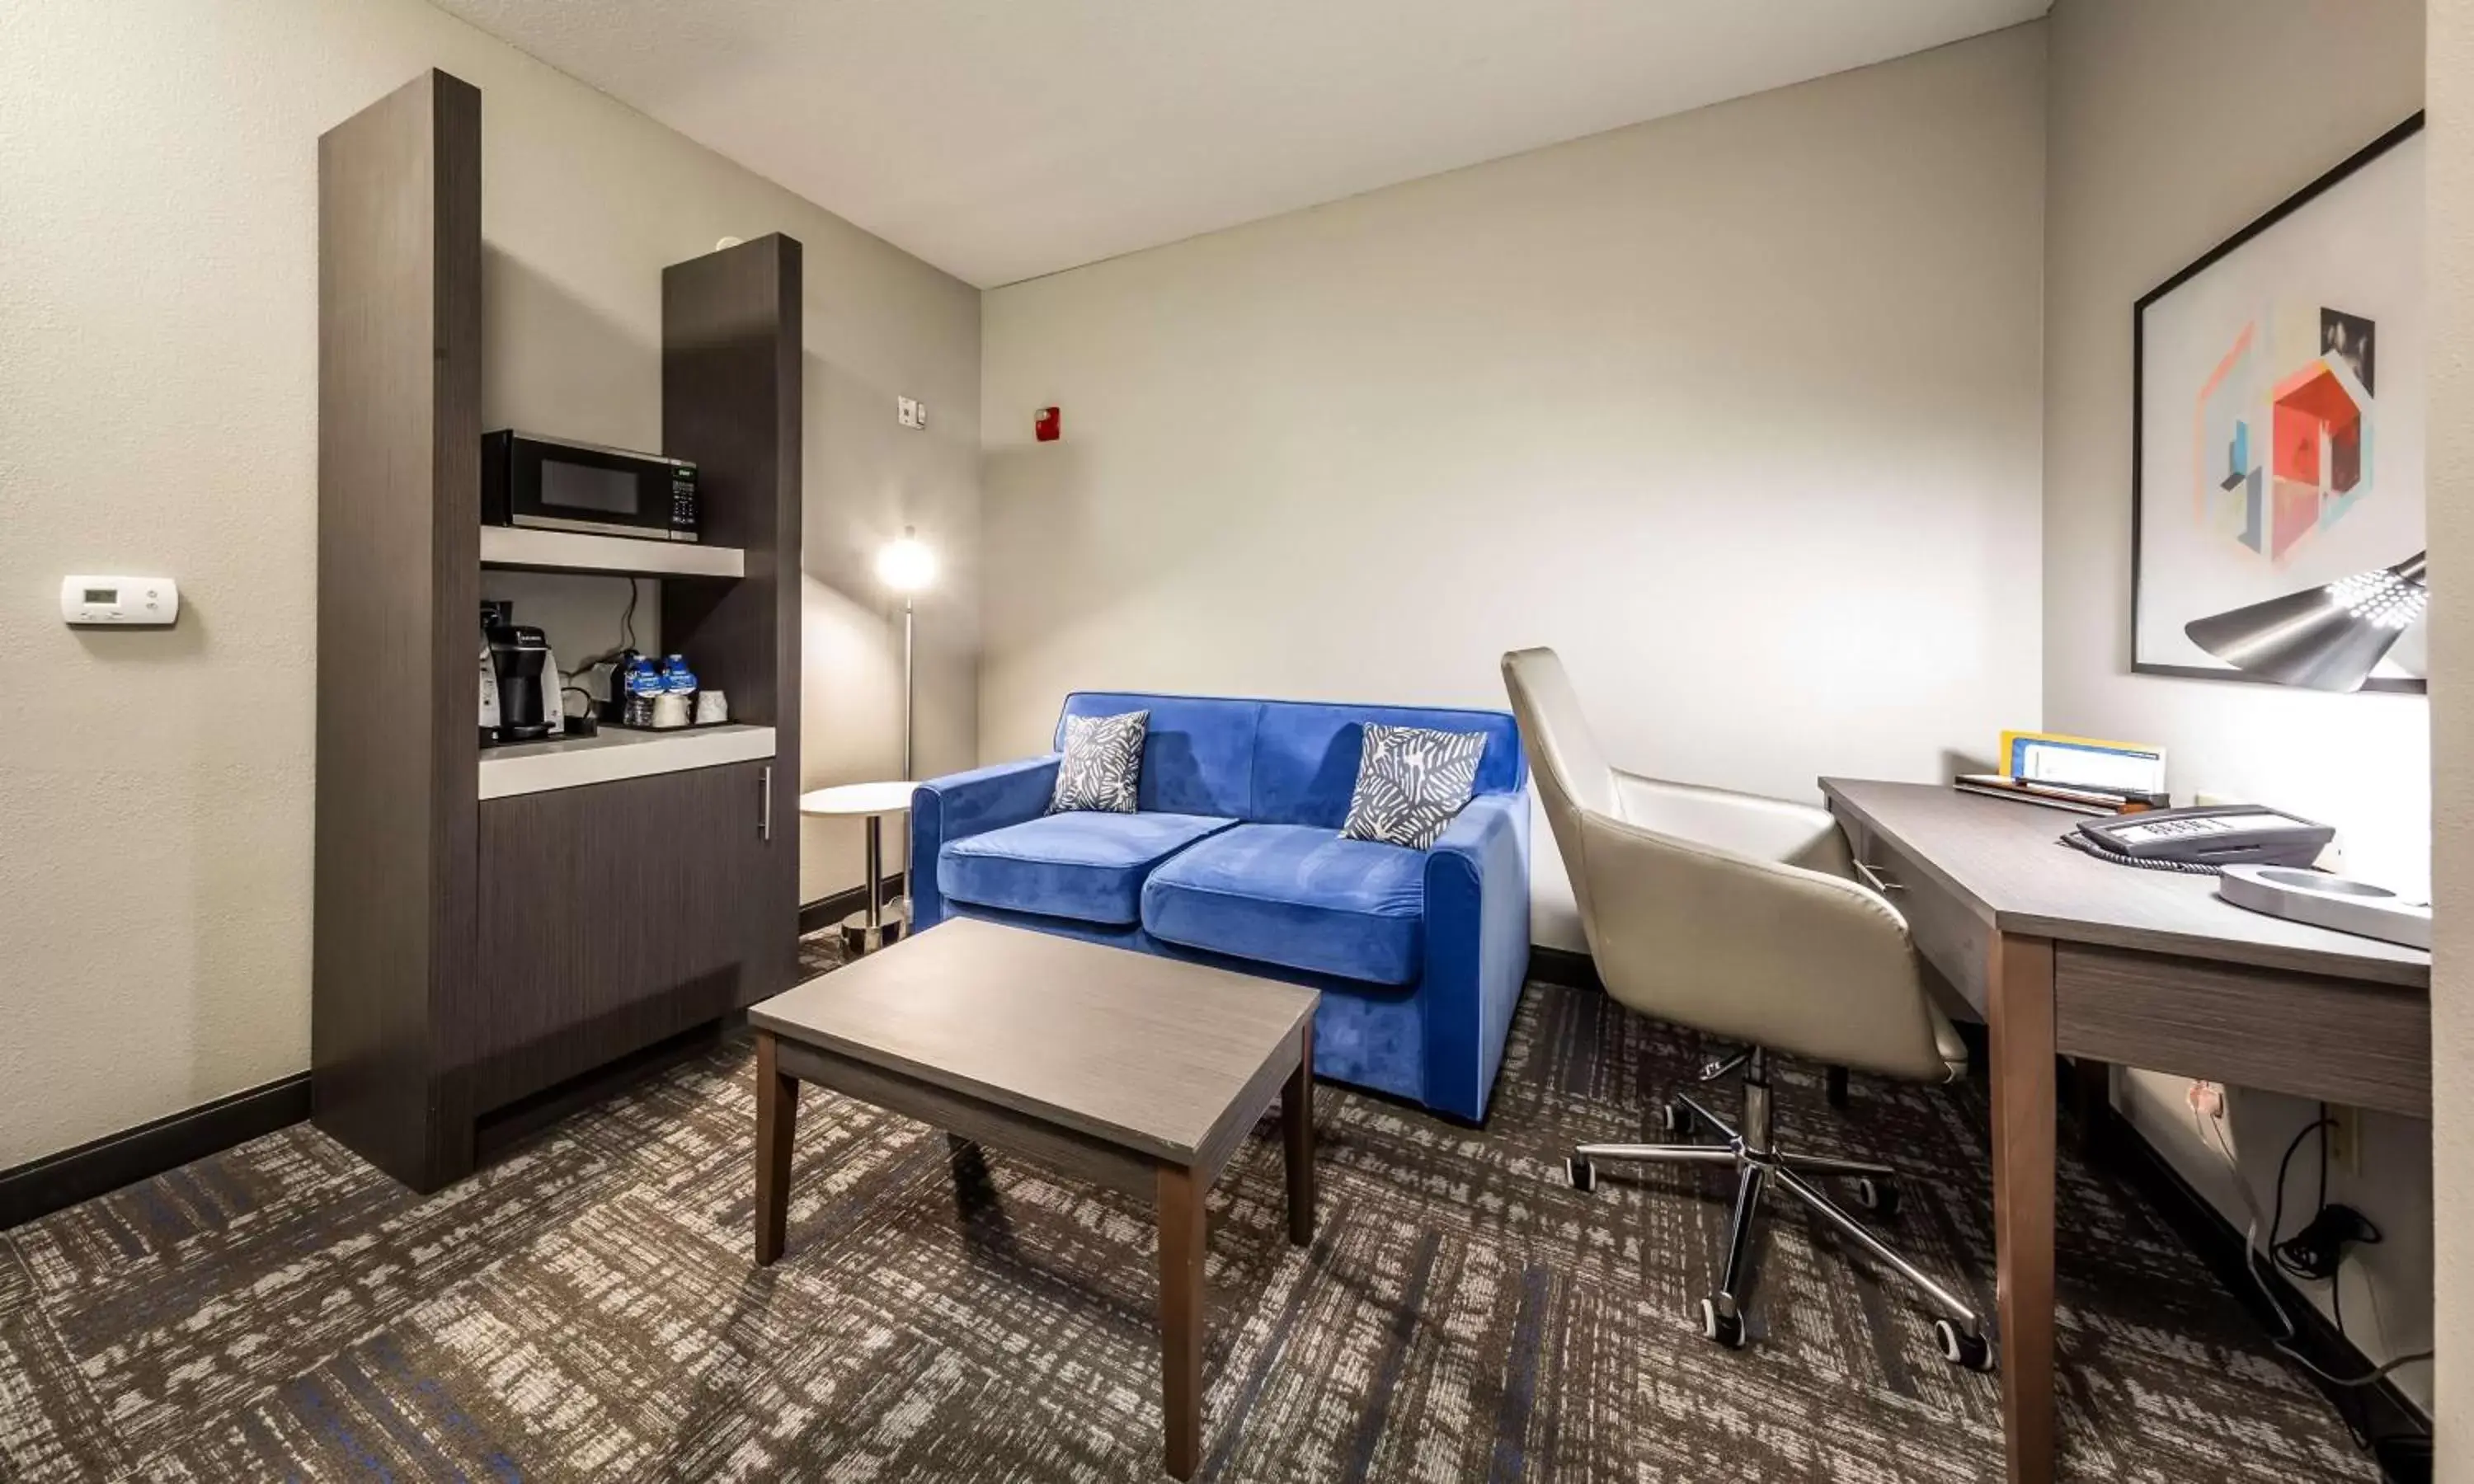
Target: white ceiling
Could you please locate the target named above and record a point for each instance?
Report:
(1002, 139)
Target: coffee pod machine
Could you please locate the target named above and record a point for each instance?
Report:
(520, 689)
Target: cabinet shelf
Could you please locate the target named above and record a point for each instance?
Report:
(576, 551)
(613, 753)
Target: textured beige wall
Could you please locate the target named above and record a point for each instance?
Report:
(2172, 126)
(1738, 409)
(2449, 268)
(157, 414)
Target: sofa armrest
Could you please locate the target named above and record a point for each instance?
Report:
(1477, 948)
(961, 804)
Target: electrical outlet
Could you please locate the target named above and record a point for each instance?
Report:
(2344, 1134)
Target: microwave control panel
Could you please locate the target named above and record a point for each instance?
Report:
(684, 515)
(119, 600)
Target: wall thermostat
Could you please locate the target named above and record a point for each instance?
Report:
(119, 600)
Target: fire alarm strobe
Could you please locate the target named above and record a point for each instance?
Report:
(1048, 424)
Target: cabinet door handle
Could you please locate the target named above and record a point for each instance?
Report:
(764, 804)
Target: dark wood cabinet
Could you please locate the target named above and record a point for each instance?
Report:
(615, 916)
(482, 965)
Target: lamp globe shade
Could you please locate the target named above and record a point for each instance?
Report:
(907, 564)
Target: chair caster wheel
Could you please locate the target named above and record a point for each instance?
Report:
(1960, 1348)
(1878, 1196)
(1583, 1175)
(1725, 1326)
(1675, 1120)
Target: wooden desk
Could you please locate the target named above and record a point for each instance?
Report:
(2064, 954)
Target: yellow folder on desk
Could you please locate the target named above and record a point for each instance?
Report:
(2093, 762)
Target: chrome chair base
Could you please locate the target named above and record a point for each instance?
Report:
(1762, 1166)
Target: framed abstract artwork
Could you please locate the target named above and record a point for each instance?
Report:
(2277, 411)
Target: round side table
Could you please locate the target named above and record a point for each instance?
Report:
(872, 927)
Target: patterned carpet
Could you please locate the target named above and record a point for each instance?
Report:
(587, 1309)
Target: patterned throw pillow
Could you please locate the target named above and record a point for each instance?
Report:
(1103, 761)
(1409, 784)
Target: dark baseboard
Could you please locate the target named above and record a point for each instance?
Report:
(62, 1179)
(825, 911)
(2380, 1411)
(1567, 967)
(57, 1181)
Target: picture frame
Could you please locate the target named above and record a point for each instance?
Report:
(2277, 411)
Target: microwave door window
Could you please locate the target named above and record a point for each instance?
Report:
(583, 487)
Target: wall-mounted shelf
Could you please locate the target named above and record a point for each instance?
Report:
(575, 551)
(612, 754)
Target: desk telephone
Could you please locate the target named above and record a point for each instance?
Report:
(2202, 841)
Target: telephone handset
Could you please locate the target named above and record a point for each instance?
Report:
(2203, 840)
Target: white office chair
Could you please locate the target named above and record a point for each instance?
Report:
(1739, 917)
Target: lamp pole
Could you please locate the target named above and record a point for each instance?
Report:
(910, 701)
(907, 565)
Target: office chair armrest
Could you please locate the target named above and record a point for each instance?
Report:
(1767, 829)
(1802, 961)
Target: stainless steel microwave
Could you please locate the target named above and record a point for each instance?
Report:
(554, 485)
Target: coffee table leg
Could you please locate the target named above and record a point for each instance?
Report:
(1297, 1128)
(777, 1114)
(1181, 1316)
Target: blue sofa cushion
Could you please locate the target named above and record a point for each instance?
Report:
(1306, 756)
(1197, 751)
(1082, 865)
(1296, 894)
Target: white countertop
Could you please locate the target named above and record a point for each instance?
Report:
(613, 753)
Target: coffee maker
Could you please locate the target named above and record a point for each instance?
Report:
(520, 687)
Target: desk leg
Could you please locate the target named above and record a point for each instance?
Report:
(2022, 1029)
(2091, 1104)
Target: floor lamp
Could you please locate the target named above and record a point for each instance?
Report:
(907, 566)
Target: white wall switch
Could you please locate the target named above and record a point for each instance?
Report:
(918, 414)
(910, 411)
(119, 600)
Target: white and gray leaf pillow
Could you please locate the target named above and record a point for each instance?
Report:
(1104, 762)
(1411, 781)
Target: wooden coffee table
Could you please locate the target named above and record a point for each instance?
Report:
(1137, 1072)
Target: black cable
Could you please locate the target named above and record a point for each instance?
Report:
(626, 642)
(2336, 1281)
(2284, 1167)
(2285, 1343)
(2079, 841)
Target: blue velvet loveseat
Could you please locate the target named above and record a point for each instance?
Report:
(1234, 857)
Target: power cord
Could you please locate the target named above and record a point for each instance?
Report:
(2316, 1251)
(609, 657)
(2307, 1253)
